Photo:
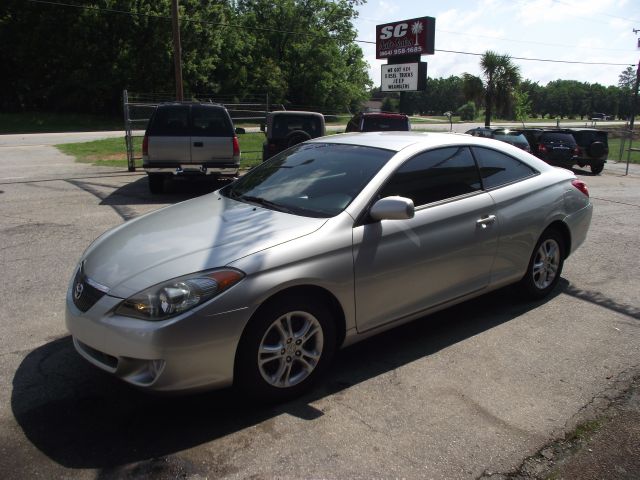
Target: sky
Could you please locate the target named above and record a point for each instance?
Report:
(570, 30)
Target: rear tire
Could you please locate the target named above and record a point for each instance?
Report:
(156, 183)
(597, 168)
(297, 137)
(286, 347)
(545, 266)
(596, 149)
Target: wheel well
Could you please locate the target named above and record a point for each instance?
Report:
(318, 292)
(563, 230)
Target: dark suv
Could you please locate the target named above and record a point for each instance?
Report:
(593, 148)
(556, 147)
(379, 122)
(288, 128)
(189, 139)
(507, 135)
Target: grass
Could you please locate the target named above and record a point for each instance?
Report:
(111, 152)
(614, 151)
(39, 122)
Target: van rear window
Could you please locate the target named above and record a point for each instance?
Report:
(170, 121)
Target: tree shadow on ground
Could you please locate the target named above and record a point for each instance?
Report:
(122, 199)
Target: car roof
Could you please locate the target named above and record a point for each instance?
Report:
(295, 112)
(384, 114)
(396, 141)
(207, 104)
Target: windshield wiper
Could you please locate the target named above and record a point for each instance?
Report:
(264, 202)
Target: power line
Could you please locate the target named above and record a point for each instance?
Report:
(222, 24)
(542, 59)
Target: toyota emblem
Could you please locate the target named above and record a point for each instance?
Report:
(77, 293)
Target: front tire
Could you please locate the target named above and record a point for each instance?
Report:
(545, 265)
(286, 347)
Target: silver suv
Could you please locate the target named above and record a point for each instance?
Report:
(189, 139)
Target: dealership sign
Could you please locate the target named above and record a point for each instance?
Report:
(408, 37)
(407, 77)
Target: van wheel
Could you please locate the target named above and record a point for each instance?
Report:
(286, 347)
(156, 183)
(545, 265)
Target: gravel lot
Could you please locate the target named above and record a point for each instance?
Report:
(467, 392)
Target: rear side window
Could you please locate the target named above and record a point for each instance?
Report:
(382, 124)
(170, 121)
(210, 122)
(498, 169)
(354, 124)
(435, 175)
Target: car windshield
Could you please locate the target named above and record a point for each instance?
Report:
(514, 138)
(315, 180)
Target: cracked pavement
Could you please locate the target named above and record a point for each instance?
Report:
(474, 389)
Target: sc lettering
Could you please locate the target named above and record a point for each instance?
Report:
(388, 31)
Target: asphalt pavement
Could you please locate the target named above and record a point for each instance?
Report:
(469, 392)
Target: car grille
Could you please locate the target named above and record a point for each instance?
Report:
(97, 355)
(83, 293)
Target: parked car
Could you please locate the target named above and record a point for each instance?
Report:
(593, 148)
(379, 122)
(600, 116)
(323, 245)
(288, 128)
(556, 147)
(189, 139)
(508, 135)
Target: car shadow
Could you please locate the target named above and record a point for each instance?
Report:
(81, 417)
(581, 171)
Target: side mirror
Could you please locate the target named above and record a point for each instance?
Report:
(240, 131)
(392, 208)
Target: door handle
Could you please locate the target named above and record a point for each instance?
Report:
(485, 221)
(197, 144)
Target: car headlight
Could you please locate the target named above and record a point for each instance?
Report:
(178, 295)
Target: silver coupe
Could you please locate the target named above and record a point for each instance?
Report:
(331, 241)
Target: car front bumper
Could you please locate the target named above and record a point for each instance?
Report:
(194, 351)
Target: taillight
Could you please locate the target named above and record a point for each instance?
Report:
(145, 145)
(542, 148)
(577, 152)
(580, 185)
(236, 147)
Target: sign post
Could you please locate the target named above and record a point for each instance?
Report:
(402, 44)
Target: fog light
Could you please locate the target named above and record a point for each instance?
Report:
(155, 368)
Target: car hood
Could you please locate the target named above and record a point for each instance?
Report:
(206, 232)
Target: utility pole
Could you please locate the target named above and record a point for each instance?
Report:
(177, 50)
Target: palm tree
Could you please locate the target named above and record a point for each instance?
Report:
(501, 77)
(416, 29)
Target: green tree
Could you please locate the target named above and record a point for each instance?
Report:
(522, 105)
(501, 76)
(473, 89)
